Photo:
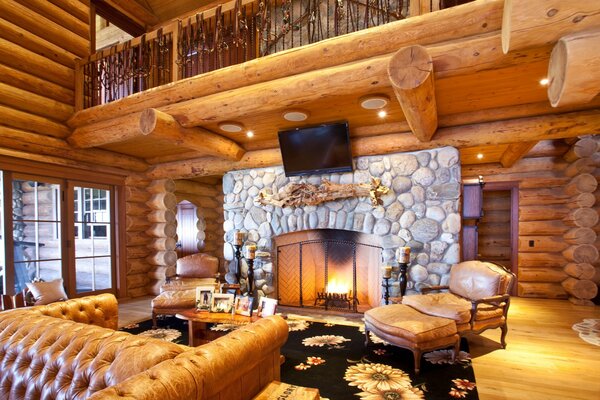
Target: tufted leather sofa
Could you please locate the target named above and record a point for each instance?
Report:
(70, 350)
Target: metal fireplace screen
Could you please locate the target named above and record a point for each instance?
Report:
(325, 273)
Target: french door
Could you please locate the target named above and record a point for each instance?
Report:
(60, 229)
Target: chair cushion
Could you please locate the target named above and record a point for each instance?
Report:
(197, 266)
(476, 279)
(407, 323)
(188, 283)
(175, 299)
(446, 305)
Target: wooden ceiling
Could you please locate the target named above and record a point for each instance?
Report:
(475, 83)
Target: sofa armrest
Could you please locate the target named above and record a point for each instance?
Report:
(100, 310)
(428, 289)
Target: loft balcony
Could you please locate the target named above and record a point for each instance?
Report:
(474, 83)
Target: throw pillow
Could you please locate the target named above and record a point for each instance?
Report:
(47, 292)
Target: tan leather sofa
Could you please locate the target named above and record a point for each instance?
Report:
(70, 350)
(194, 270)
(477, 299)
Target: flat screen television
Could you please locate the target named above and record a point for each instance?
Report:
(316, 150)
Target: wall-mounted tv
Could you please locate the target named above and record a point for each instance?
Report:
(315, 150)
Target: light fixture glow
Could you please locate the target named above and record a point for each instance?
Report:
(544, 81)
(231, 127)
(382, 114)
(295, 115)
(250, 134)
(374, 102)
(479, 156)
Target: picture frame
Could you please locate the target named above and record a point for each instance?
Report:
(266, 307)
(204, 296)
(243, 305)
(222, 303)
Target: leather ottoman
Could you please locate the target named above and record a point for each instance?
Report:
(406, 327)
(172, 302)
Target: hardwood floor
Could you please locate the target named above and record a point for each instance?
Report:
(545, 358)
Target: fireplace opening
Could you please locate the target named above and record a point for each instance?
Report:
(328, 268)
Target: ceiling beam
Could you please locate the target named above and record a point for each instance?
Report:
(128, 15)
(160, 125)
(529, 23)
(411, 73)
(515, 152)
(484, 134)
(574, 69)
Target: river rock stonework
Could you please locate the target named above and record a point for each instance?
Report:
(421, 211)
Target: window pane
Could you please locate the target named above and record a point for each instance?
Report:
(2, 259)
(28, 270)
(93, 274)
(96, 241)
(36, 201)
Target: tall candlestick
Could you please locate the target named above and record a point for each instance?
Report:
(251, 252)
(238, 238)
(404, 256)
(387, 271)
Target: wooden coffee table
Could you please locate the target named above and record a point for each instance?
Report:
(199, 323)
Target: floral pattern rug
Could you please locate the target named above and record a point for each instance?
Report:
(333, 359)
(589, 330)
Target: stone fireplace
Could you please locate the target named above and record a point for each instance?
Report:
(421, 210)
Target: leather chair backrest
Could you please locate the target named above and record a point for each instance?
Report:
(477, 279)
(197, 266)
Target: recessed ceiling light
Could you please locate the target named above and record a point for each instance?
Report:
(250, 134)
(479, 156)
(382, 114)
(544, 81)
(230, 127)
(295, 115)
(374, 102)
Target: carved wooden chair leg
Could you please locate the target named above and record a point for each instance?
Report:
(503, 336)
(154, 325)
(366, 336)
(456, 350)
(417, 355)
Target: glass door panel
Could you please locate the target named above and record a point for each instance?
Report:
(2, 253)
(36, 231)
(93, 239)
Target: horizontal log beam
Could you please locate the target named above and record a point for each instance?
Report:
(137, 11)
(533, 23)
(74, 7)
(574, 69)
(45, 145)
(485, 134)
(34, 103)
(197, 188)
(411, 74)
(25, 81)
(453, 23)
(154, 123)
(56, 14)
(515, 152)
(43, 27)
(104, 132)
(26, 121)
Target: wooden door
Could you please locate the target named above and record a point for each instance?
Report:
(187, 229)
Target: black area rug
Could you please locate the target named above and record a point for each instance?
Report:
(333, 359)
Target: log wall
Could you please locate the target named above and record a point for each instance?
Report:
(547, 201)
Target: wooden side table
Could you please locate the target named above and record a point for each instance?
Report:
(280, 391)
(199, 324)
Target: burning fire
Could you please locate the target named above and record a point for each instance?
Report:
(334, 286)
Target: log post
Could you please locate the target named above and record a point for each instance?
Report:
(574, 69)
(160, 125)
(411, 73)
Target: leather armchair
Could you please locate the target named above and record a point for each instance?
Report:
(194, 270)
(477, 298)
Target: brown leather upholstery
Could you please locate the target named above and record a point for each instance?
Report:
(478, 298)
(194, 270)
(406, 327)
(46, 355)
(172, 302)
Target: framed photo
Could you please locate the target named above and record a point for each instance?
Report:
(243, 305)
(266, 307)
(222, 302)
(204, 296)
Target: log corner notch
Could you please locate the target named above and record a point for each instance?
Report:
(411, 74)
(161, 125)
(574, 69)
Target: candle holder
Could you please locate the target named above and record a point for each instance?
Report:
(238, 265)
(386, 294)
(403, 278)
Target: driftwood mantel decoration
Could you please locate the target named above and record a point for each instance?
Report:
(307, 194)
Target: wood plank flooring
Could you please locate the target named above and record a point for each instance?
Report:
(545, 359)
